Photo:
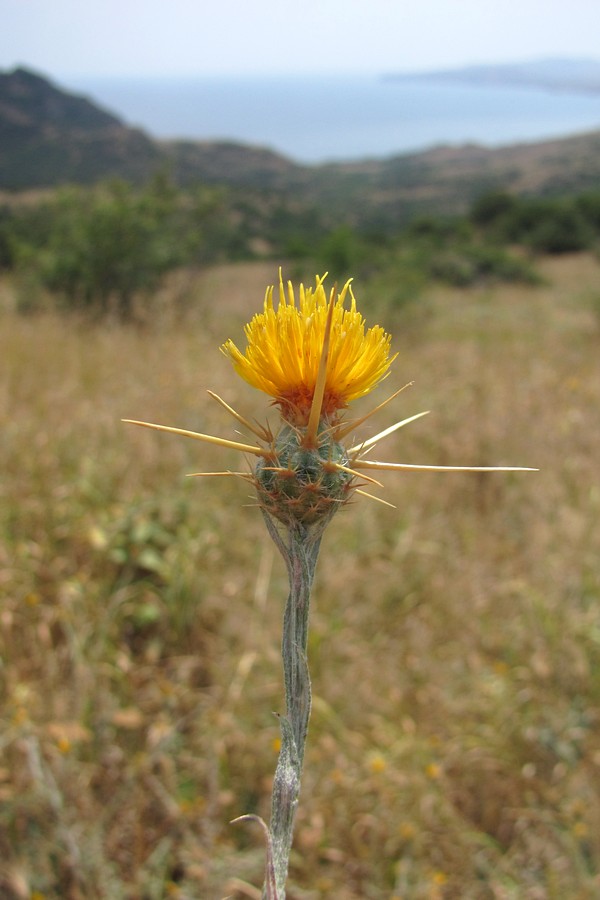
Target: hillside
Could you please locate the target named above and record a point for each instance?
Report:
(49, 137)
(447, 179)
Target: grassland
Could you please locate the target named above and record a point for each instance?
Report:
(454, 750)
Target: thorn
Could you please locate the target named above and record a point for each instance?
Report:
(207, 438)
(378, 437)
(350, 426)
(261, 433)
(373, 497)
(244, 475)
(372, 464)
(342, 468)
(281, 470)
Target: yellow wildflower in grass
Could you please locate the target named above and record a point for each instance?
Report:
(313, 357)
(377, 763)
(434, 771)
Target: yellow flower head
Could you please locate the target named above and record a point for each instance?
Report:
(286, 346)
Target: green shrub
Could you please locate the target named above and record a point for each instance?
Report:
(111, 245)
(438, 231)
(476, 263)
(492, 208)
(562, 229)
(588, 205)
(100, 249)
(545, 225)
(340, 252)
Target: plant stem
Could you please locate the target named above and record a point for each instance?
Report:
(299, 545)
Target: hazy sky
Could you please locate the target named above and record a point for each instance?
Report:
(65, 38)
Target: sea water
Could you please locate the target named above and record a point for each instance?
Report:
(317, 119)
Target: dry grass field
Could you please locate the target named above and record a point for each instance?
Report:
(454, 749)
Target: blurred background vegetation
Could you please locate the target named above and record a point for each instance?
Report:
(101, 250)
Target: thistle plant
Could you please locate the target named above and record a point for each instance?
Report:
(314, 357)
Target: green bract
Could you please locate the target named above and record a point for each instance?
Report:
(302, 484)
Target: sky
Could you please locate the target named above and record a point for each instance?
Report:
(176, 38)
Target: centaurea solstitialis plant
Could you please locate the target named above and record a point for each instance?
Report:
(313, 357)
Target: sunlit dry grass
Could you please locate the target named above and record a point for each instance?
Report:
(454, 749)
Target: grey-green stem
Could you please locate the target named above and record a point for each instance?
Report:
(299, 545)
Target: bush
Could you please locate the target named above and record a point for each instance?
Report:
(6, 244)
(109, 246)
(492, 208)
(541, 224)
(561, 229)
(478, 263)
(100, 249)
(438, 232)
(588, 205)
(340, 252)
